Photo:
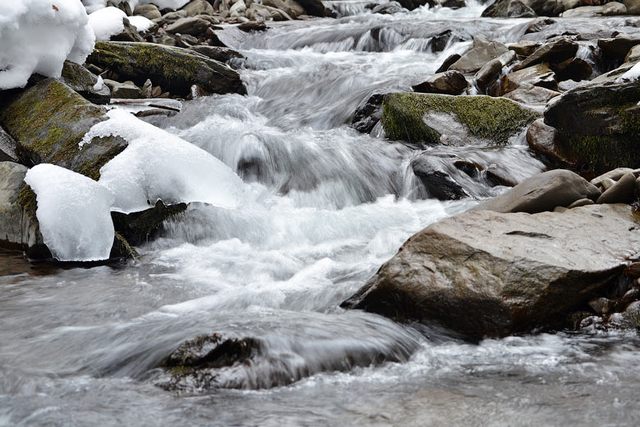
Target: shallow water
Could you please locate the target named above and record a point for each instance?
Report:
(325, 207)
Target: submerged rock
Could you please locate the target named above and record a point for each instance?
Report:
(435, 178)
(174, 69)
(494, 119)
(490, 274)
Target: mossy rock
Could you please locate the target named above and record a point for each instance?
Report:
(84, 82)
(598, 126)
(49, 120)
(173, 68)
(494, 119)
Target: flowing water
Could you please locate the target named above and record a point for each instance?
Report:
(327, 207)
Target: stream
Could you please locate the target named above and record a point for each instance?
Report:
(325, 207)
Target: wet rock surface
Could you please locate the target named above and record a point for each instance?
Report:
(462, 272)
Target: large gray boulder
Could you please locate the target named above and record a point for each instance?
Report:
(543, 192)
(172, 68)
(490, 274)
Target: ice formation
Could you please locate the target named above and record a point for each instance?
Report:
(73, 212)
(36, 36)
(158, 165)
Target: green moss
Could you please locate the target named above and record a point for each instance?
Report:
(496, 119)
(172, 68)
(27, 200)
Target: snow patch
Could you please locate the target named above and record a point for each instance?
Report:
(73, 212)
(158, 165)
(107, 22)
(141, 23)
(632, 74)
(36, 36)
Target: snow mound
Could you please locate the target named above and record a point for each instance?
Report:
(158, 165)
(141, 23)
(73, 212)
(107, 22)
(36, 36)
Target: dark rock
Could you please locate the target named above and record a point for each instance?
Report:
(141, 227)
(414, 4)
(448, 62)
(149, 11)
(494, 119)
(488, 74)
(601, 306)
(437, 181)
(7, 147)
(542, 139)
(221, 54)
(508, 9)
(440, 41)
(452, 4)
(449, 82)
(572, 69)
(174, 69)
(198, 7)
(368, 114)
(622, 191)
(127, 90)
(85, 83)
(482, 52)
(542, 193)
(315, 7)
(193, 26)
(554, 51)
(249, 27)
(489, 274)
(618, 48)
(524, 48)
(598, 125)
(128, 34)
(539, 24)
(536, 75)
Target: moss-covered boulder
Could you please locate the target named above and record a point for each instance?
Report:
(598, 125)
(416, 118)
(48, 121)
(173, 68)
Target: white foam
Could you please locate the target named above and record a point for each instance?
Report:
(73, 212)
(36, 36)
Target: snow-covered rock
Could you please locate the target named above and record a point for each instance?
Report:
(74, 213)
(36, 36)
(158, 165)
(107, 22)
